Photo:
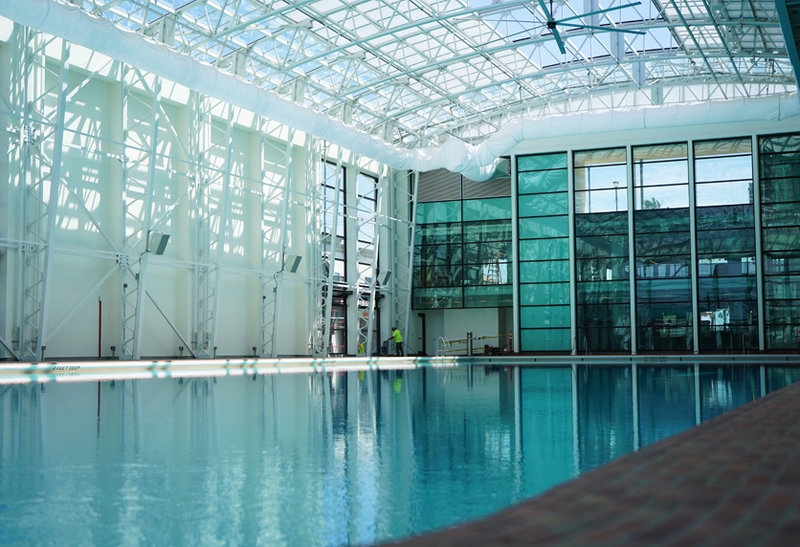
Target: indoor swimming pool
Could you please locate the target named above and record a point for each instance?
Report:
(330, 457)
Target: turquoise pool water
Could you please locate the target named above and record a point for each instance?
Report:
(329, 458)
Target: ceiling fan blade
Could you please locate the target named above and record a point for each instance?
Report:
(581, 16)
(604, 29)
(560, 43)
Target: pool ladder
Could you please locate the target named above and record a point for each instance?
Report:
(442, 346)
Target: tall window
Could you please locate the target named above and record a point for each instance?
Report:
(726, 246)
(543, 207)
(780, 203)
(366, 206)
(662, 247)
(336, 233)
(601, 250)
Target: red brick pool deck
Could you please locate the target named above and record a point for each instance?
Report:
(734, 480)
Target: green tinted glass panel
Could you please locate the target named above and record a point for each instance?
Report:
(601, 224)
(661, 220)
(488, 296)
(544, 294)
(726, 240)
(438, 234)
(543, 227)
(439, 298)
(490, 251)
(542, 161)
(608, 315)
(553, 270)
(497, 230)
(783, 337)
(781, 264)
(537, 182)
(780, 214)
(543, 205)
(663, 290)
(779, 143)
(782, 287)
(780, 165)
(724, 218)
(438, 276)
(783, 311)
(663, 244)
(437, 255)
(603, 292)
(539, 317)
(602, 269)
(440, 211)
(543, 249)
(487, 209)
(722, 289)
(545, 340)
(602, 246)
(496, 273)
(780, 190)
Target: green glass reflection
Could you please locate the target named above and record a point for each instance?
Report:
(664, 326)
(779, 143)
(662, 244)
(724, 218)
(545, 271)
(497, 230)
(661, 220)
(603, 292)
(438, 276)
(545, 339)
(602, 269)
(657, 267)
(775, 264)
(726, 264)
(543, 317)
(438, 234)
(437, 255)
(711, 242)
(539, 227)
(543, 205)
(543, 249)
(780, 190)
(543, 294)
(663, 290)
(723, 289)
(542, 161)
(496, 273)
(780, 165)
(780, 214)
(601, 224)
(537, 182)
(439, 211)
(602, 246)
(783, 312)
(490, 251)
(782, 287)
(499, 296)
(486, 209)
(439, 298)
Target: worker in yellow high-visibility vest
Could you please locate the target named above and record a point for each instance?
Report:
(398, 341)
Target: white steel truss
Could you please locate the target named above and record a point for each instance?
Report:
(417, 72)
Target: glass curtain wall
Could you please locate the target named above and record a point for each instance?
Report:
(662, 248)
(601, 250)
(488, 275)
(543, 227)
(779, 159)
(462, 257)
(366, 206)
(726, 245)
(438, 269)
(336, 232)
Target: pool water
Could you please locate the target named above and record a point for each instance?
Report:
(329, 458)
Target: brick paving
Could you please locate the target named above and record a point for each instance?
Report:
(734, 480)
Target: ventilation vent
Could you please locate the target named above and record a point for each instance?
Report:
(439, 185)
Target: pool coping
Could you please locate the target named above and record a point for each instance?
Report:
(101, 370)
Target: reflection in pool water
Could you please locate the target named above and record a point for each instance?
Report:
(329, 458)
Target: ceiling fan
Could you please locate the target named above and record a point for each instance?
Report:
(553, 24)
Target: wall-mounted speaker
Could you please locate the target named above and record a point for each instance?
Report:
(158, 242)
(291, 263)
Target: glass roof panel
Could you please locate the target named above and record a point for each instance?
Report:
(439, 69)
